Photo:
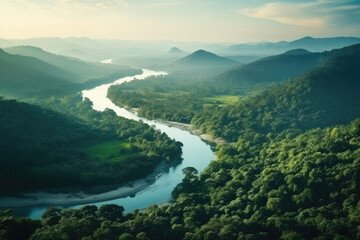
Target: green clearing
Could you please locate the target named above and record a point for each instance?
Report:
(112, 150)
(223, 99)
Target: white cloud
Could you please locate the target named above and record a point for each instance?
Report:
(304, 14)
(313, 14)
(164, 4)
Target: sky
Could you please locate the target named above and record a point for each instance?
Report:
(180, 20)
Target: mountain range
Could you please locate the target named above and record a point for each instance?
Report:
(308, 43)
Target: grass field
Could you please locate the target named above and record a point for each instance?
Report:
(112, 150)
(223, 99)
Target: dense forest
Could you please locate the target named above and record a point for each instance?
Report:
(293, 187)
(327, 95)
(42, 148)
(291, 171)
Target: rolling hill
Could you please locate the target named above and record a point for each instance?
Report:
(28, 76)
(82, 71)
(273, 69)
(39, 73)
(270, 70)
(327, 95)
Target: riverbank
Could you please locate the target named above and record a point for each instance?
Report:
(186, 127)
(61, 199)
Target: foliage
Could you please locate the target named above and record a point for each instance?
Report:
(327, 95)
(42, 148)
(302, 187)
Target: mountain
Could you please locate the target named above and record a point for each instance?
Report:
(308, 43)
(176, 51)
(26, 76)
(269, 70)
(327, 95)
(202, 58)
(81, 70)
(272, 69)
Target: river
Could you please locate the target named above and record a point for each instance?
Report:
(196, 153)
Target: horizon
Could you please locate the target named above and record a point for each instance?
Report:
(179, 20)
(176, 41)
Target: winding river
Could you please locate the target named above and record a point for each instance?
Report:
(196, 153)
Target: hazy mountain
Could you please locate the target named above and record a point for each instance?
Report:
(308, 43)
(83, 71)
(176, 51)
(96, 50)
(26, 76)
(269, 70)
(273, 69)
(202, 58)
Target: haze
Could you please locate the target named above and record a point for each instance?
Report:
(181, 20)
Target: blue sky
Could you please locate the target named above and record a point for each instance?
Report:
(184, 20)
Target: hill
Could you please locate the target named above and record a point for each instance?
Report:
(308, 43)
(40, 148)
(82, 71)
(327, 95)
(203, 58)
(26, 76)
(269, 71)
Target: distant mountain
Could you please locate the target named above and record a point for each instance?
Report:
(176, 51)
(308, 43)
(202, 58)
(26, 76)
(81, 70)
(271, 70)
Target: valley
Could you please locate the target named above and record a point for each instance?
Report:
(103, 151)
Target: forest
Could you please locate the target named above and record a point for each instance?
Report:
(41, 148)
(303, 186)
(290, 168)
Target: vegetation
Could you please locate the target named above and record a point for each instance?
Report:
(179, 96)
(42, 148)
(326, 96)
(175, 97)
(292, 170)
(293, 187)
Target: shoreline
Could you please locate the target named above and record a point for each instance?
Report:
(183, 126)
(60, 199)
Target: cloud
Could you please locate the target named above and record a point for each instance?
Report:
(314, 14)
(80, 4)
(164, 4)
